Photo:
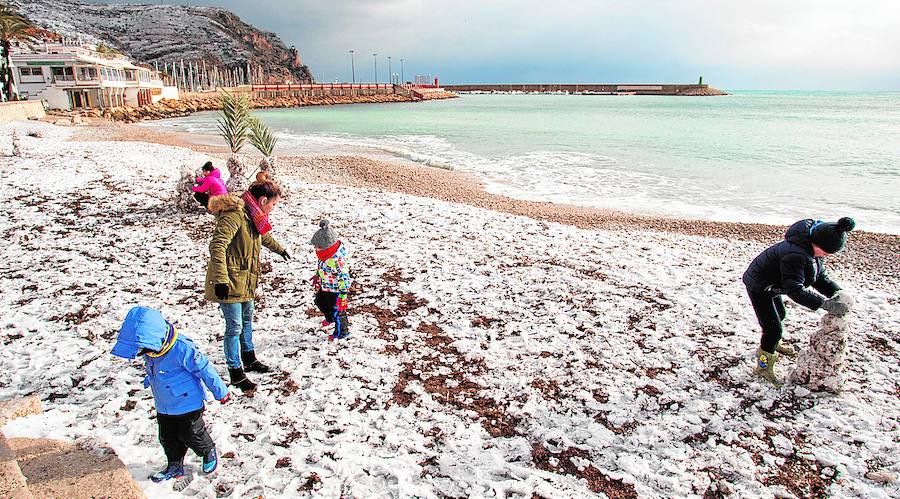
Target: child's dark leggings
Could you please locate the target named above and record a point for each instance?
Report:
(179, 433)
(770, 312)
(202, 198)
(327, 303)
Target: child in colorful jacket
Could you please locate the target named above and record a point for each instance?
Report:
(175, 369)
(332, 280)
(209, 185)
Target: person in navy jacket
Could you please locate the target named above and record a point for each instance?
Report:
(175, 370)
(790, 268)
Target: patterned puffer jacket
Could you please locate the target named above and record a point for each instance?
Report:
(334, 269)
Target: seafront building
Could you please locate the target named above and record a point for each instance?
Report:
(426, 81)
(74, 75)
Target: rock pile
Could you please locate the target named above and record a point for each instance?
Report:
(168, 108)
(698, 92)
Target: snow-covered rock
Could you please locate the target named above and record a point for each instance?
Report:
(821, 365)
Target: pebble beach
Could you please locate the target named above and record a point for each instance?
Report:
(870, 254)
(501, 348)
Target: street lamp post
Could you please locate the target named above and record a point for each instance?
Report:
(375, 58)
(352, 68)
(390, 75)
(402, 81)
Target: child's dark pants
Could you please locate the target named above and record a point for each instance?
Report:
(202, 198)
(179, 433)
(770, 311)
(327, 303)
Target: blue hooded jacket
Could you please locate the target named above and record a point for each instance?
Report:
(174, 377)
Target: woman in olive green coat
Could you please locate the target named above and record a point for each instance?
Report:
(242, 227)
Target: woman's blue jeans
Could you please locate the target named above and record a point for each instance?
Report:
(238, 331)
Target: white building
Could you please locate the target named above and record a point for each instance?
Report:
(424, 80)
(76, 76)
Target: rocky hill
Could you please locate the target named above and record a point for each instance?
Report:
(169, 33)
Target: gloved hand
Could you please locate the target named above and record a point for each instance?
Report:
(845, 296)
(315, 282)
(285, 255)
(226, 398)
(836, 306)
(342, 302)
(221, 291)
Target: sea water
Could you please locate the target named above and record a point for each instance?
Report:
(771, 157)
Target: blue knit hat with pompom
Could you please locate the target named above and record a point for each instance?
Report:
(829, 236)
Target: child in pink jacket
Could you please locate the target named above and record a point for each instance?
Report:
(209, 185)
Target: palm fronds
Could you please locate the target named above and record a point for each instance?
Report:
(13, 26)
(262, 137)
(234, 123)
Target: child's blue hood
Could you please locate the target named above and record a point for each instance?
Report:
(143, 328)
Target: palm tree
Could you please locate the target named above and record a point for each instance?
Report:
(234, 126)
(13, 26)
(263, 138)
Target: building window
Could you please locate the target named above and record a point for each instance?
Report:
(63, 74)
(31, 73)
(87, 73)
(130, 75)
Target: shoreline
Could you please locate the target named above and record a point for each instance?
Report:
(871, 252)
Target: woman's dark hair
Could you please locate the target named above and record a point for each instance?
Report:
(265, 188)
(208, 167)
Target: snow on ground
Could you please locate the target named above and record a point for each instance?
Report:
(492, 355)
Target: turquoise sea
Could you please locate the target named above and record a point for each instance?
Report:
(752, 156)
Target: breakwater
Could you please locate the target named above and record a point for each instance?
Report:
(259, 99)
(587, 88)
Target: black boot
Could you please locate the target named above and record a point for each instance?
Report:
(341, 327)
(240, 380)
(253, 365)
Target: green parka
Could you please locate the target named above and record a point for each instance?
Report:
(234, 250)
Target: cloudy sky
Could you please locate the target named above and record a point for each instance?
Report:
(763, 44)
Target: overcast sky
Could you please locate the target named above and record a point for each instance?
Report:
(760, 44)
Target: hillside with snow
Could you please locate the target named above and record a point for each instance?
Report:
(492, 355)
(155, 33)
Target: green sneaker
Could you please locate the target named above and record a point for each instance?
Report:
(765, 366)
(785, 349)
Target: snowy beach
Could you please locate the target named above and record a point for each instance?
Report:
(497, 352)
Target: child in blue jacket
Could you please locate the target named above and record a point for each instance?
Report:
(175, 368)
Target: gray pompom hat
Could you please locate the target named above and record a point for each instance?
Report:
(325, 237)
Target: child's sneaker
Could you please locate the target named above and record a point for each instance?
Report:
(335, 336)
(173, 470)
(210, 461)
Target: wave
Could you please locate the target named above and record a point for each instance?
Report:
(711, 190)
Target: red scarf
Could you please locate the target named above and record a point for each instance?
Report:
(328, 252)
(260, 219)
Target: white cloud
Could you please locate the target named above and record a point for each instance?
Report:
(763, 43)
